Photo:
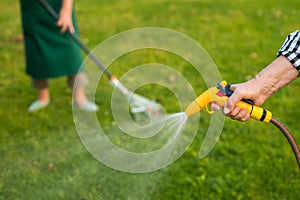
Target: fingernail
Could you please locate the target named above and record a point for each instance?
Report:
(226, 110)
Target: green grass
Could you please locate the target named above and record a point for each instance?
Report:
(42, 156)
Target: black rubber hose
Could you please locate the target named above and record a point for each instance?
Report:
(289, 137)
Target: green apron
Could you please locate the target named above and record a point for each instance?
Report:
(49, 53)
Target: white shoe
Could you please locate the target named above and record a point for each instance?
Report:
(89, 107)
(37, 105)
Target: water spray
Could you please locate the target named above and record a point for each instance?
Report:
(220, 95)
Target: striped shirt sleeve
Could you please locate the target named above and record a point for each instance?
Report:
(291, 49)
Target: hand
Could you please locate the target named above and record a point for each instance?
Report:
(248, 90)
(65, 20)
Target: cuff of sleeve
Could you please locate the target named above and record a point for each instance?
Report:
(291, 49)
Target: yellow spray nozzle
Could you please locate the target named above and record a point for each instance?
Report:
(216, 95)
(212, 94)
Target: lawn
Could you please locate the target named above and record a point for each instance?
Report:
(42, 156)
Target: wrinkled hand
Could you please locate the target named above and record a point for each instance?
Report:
(65, 21)
(247, 90)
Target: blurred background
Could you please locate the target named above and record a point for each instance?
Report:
(42, 156)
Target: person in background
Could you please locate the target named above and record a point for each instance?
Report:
(51, 53)
(284, 69)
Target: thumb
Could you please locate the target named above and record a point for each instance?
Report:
(232, 100)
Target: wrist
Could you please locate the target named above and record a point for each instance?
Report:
(67, 6)
(264, 87)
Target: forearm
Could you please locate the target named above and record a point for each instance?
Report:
(67, 6)
(275, 76)
(284, 69)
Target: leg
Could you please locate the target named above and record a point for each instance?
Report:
(43, 98)
(79, 97)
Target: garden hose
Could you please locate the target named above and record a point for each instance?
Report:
(220, 95)
(289, 137)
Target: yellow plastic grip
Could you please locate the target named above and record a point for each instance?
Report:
(256, 112)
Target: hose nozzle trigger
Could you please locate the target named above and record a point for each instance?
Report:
(224, 87)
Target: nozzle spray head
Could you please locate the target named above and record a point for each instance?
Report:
(212, 94)
(192, 109)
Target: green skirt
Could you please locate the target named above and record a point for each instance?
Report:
(49, 53)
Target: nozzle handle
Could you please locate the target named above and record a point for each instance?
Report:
(255, 112)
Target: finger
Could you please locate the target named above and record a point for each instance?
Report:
(71, 29)
(233, 87)
(232, 101)
(241, 115)
(63, 29)
(235, 111)
(61, 25)
(246, 118)
(214, 106)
